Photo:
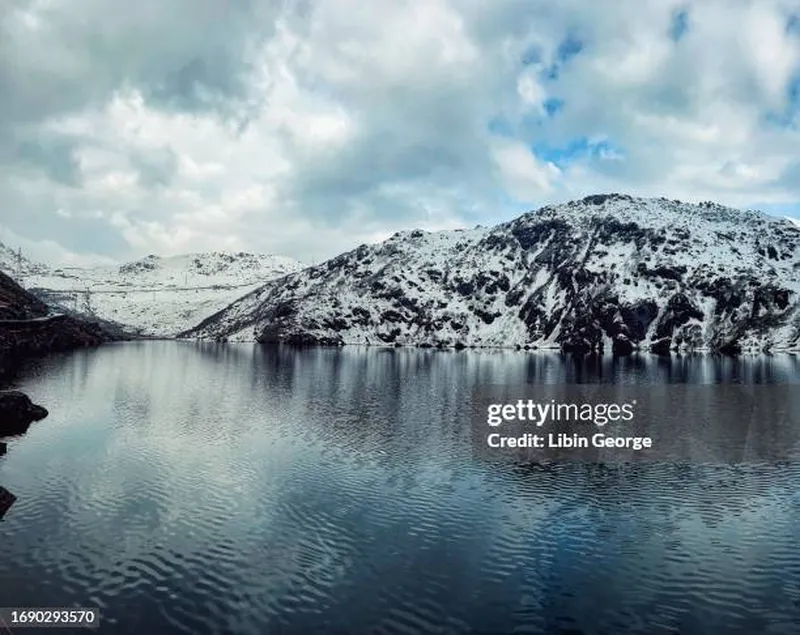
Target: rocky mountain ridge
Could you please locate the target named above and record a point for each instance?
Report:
(604, 272)
(153, 296)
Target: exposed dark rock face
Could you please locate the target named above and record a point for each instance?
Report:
(622, 346)
(48, 335)
(18, 304)
(607, 272)
(28, 327)
(678, 312)
(17, 412)
(638, 317)
(661, 346)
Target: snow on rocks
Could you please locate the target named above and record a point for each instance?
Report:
(153, 296)
(652, 274)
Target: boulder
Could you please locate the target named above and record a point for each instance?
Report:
(661, 346)
(6, 501)
(17, 412)
(731, 348)
(577, 345)
(621, 346)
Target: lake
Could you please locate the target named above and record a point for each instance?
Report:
(230, 488)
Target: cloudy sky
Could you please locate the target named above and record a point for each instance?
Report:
(307, 127)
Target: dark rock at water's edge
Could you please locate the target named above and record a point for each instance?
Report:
(661, 346)
(17, 412)
(731, 348)
(10, 364)
(30, 327)
(18, 304)
(22, 338)
(6, 501)
(622, 346)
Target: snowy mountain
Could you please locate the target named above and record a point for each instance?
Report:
(607, 271)
(153, 296)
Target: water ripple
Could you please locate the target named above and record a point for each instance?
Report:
(304, 498)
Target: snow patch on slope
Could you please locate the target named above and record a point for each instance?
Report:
(154, 296)
(654, 272)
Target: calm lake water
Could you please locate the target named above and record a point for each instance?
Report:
(186, 488)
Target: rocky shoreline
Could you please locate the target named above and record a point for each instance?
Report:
(581, 349)
(29, 327)
(18, 412)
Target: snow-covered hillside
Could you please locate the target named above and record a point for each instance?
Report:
(153, 296)
(607, 271)
(15, 264)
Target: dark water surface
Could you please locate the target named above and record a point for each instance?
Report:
(183, 488)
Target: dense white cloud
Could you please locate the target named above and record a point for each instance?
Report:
(305, 128)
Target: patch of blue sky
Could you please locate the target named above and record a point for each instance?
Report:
(551, 73)
(788, 117)
(793, 24)
(575, 150)
(508, 207)
(778, 209)
(502, 207)
(679, 24)
(500, 126)
(793, 92)
(552, 106)
(569, 47)
(531, 55)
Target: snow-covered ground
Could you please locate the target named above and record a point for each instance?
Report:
(153, 296)
(609, 268)
(650, 270)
